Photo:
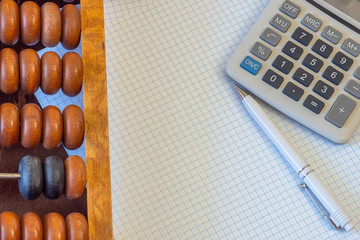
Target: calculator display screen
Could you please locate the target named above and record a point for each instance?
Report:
(349, 7)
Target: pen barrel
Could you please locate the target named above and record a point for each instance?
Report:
(328, 200)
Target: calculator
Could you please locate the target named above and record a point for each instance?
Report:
(302, 57)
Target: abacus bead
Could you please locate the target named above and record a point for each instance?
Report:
(50, 24)
(9, 226)
(29, 71)
(54, 227)
(31, 181)
(30, 125)
(75, 172)
(76, 227)
(9, 71)
(72, 74)
(9, 22)
(74, 127)
(51, 73)
(52, 127)
(9, 124)
(70, 26)
(54, 177)
(31, 227)
(30, 23)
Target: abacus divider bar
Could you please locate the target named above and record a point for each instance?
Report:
(10, 176)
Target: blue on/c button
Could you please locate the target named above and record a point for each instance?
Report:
(251, 65)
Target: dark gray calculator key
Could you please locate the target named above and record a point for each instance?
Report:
(270, 36)
(280, 23)
(341, 110)
(303, 77)
(351, 47)
(292, 50)
(333, 75)
(272, 78)
(342, 61)
(293, 91)
(357, 73)
(261, 51)
(314, 104)
(302, 36)
(322, 48)
(290, 9)
(311, 22)
(323, 89)
(353, 87)
(313, 63)
(282, 64)
(331, 34)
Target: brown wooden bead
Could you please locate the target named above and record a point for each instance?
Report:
(72, 74)
(74, 127)
(52, 127)
(31, 227)
(30, 125)
(9, 226)
(30, 23)
(50, 24)
(54, 227)
(29, 71)
(9, 124)
(70, 26)
(51, 72)
(76, 227)
(9, 71)
(75, 172)
(9, 22)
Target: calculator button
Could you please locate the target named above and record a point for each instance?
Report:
(341, 110)
(292, 50)
(333, 75)
(322, 48)
(353, 88)
(342, 61)
(351, 47)
(313, 63)
(293, 91)
(290, 9)
(311, 22)
(314, 104)
(272, 78)
(323, 89)
(261, 51)
(270, 36)
(280, 23)
(303, 77)
(283, 64)
(251, 65)
(302, 36)
(331, 34)
(357, 73)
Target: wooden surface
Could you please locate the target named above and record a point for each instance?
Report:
(96, 120)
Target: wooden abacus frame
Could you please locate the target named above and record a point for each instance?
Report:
(99, 206)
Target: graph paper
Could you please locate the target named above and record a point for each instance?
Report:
(187, 161)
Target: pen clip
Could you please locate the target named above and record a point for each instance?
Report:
(308, 191)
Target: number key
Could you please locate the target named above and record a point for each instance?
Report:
(273, 79)
(333, 75)
(323, 89)
(303, 77)
(292, 50)
(313, 63)
(302, 36)
(322, 48)
(342, 61)
(283, 64)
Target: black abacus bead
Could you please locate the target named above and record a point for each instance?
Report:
(31, 181)
(54, 177)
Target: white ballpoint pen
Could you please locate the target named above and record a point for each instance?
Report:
(337, 216)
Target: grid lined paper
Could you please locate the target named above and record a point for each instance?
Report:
(187, 162)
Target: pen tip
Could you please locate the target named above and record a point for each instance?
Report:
(240, 91)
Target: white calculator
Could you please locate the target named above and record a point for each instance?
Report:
(302, 57)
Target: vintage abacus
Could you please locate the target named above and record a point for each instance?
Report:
(49, 185)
